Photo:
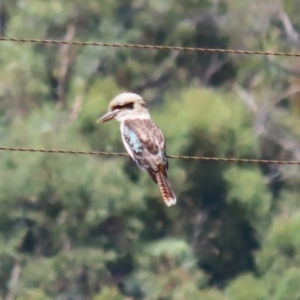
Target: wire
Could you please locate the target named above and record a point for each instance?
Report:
(137, 46)
(217, 159)
(207, 50)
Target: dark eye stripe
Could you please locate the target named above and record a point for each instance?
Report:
(126, 106)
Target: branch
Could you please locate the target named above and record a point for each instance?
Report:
(15, 275)
(161, 75)
(246, 97)
(294, 89)
(64, 64)
(216, 63)
(76, 108)
(269, 130)
(283, 139)
(290, 33)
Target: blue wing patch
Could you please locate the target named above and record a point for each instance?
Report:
(132, 139)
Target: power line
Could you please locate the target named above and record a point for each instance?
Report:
(216, 159)
(156, 47)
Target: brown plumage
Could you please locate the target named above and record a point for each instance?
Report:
(165, 188)
(145, 143)
(142, 139)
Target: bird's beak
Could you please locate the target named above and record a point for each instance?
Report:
(108, 116)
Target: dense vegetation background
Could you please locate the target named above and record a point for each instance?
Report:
(88, 227)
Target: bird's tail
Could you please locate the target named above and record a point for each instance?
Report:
(165, 189)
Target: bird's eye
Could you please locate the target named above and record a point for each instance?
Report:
(129, 105)
(126, 106)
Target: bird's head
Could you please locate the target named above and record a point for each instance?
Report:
(126, 106)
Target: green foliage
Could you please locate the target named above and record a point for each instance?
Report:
(166, 269)
(109, 294)
(246, 287)
(94, 227)
(289, 286)
(34, 294)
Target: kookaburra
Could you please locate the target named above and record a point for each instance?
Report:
(142, 139)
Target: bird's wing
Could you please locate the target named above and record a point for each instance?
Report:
(145, 143)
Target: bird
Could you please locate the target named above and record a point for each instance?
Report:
(142, 139)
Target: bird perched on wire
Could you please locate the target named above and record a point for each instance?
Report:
(142, 139)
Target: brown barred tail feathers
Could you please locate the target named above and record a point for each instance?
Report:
(165, 189)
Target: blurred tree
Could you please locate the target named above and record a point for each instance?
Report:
(88, 227)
